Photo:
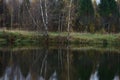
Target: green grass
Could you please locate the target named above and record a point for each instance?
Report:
(96, 38)
(17, 38)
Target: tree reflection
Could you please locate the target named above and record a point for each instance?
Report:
(59, 64)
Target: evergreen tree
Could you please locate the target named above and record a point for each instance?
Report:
(113, 7)
(85, 14)
(1, 7)
(1, 12)
(86, 8)
(4, 15)
(109, 12)
(118, 4)
(108, 8)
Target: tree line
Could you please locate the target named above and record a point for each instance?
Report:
(54, 15)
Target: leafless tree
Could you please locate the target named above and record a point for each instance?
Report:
(43, 17)
(69, 19)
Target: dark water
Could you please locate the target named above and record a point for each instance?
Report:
(59, 64)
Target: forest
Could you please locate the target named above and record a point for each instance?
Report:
(59, 39)
(79, 21)
(56, 15)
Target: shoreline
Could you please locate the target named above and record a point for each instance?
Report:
(17, 38)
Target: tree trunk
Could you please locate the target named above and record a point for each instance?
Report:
(69, 19)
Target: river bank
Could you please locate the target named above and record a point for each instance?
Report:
(17, 38)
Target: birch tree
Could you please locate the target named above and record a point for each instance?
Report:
(69, 19)
(44, 18)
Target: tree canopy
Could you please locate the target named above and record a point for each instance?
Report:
(84, 14)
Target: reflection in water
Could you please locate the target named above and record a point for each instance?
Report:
(29, 77)
(54, 76)
(116, 77)
(59, 64)
(94, 76)
(13, 73)
(41, 78)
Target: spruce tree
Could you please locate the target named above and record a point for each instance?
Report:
(108, 8)
(1, 7)
(86, 7)
(118, 3)
(85, 14)
(109, 13)
(1, 12)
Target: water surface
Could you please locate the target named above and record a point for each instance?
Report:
(59, 64)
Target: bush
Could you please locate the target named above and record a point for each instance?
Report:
(102, 31)
(92, 28)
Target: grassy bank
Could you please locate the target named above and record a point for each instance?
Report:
(17, 38)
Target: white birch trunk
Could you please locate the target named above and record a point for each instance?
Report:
(69, 18)
(46, 12)
(43, 18)
(19, 17)
(11, 18)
